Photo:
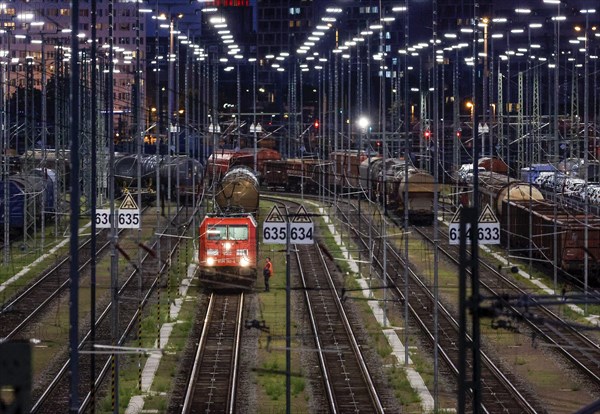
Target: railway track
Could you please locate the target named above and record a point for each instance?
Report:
(97, 356)
(347, 381)
(538, 314)
(20, 311)
(500, 392)
(213, 380)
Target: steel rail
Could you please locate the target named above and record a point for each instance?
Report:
(65, 367)
(374, 396)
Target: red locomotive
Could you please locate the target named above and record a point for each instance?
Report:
(228, 242)
(227, 251)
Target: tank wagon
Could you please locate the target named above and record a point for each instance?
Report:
(186, 176)
(370, 175)
(126, 173)
(496, 188)
(358, 173)
(184, 173)
(50, 158)
(382, 179)
(238, 191)
(30, 195)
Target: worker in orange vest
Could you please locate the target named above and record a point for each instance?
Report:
(267, 272)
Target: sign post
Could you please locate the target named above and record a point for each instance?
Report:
(488, 228)
(128, 215)
(294, 229)
(300, 231)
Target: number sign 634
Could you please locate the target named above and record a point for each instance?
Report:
(276, 233)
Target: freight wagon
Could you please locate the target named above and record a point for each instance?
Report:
(29, 197)
(537, 227)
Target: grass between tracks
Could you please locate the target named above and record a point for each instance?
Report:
(56, 326)
(396, 374)
(270, 370)
(50, 335)
(517, 348)
(21, 254)
(270, 362)
(157, 315)
(395, 371)
(422, 362)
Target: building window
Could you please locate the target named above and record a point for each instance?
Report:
(368, 10)
(7, 11)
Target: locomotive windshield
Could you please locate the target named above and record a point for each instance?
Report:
(232, 232)
(238, 232)
(217, 233)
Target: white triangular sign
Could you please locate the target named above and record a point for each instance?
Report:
(129, 203)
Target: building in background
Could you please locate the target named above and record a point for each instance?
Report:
(35, 48)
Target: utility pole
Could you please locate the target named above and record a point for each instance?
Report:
(74, 223)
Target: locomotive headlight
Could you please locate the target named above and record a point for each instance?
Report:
(210, 261)
(244, 261)
(227, 246)
(212, 252)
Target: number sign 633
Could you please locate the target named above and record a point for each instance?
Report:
(487, 233)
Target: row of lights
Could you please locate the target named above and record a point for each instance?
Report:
(415, 49)
(533, 48)
(29, 18)
(220, 25)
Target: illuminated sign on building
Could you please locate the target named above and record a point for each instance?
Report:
(231, 3)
